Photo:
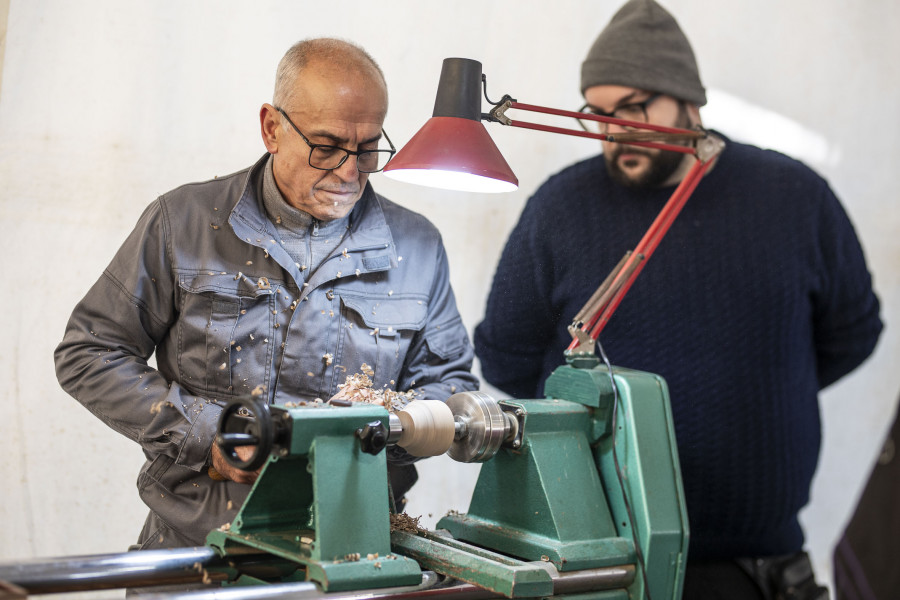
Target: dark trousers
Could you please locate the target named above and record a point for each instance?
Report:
(718, 580)
(788, 577)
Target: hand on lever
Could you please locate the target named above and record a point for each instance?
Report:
(222, 470)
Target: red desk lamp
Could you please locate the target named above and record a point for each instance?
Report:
(454, 151)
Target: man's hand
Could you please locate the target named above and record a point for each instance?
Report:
(226, 471)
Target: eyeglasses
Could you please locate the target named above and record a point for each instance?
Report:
(636, 111)
(326, 158)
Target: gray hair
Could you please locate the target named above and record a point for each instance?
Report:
(330, 49)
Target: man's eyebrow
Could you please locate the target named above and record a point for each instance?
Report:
(629, 99)
(624, 100)
(339, 141)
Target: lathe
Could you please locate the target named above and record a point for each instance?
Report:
(579, 496)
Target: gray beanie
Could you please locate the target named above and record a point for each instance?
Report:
(643, 47)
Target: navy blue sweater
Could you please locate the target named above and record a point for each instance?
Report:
(757, 298)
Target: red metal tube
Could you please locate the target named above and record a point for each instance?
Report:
(644, 250)
(601, 136)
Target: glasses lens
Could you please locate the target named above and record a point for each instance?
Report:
(331, 157)
(631, 112)
(588, 125)
(326, 157)
(373, 161)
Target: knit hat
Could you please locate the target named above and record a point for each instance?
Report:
(643, 47)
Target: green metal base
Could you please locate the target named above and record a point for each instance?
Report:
(558, 497)
(324, 506)
(545, 501)
(648, 459)
(572, 555)
(478, 566)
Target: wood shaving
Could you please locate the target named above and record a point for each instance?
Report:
(404, 522)
(158, 406)
(360, 388)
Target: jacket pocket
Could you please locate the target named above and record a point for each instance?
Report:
(224, 331)
(377, 330)
(447, 341)
(153, 471)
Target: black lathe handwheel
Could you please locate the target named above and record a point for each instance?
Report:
(245, 422)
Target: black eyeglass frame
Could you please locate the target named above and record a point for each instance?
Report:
(612, 114)
(347, 153)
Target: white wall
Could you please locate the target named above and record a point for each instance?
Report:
(106, 104)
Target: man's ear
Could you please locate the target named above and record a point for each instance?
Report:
(269, 124)
(694, 114)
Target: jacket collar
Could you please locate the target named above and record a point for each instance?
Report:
(368, 247)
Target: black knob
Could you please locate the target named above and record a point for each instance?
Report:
(373, 437)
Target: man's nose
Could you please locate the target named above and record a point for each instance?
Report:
(349, 169)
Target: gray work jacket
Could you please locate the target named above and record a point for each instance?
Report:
(203, 283)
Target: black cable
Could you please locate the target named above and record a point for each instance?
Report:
(502, 100)
(637, 548)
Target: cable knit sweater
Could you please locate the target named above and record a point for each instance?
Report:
(757, 298)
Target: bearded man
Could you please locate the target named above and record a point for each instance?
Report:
(757, 298)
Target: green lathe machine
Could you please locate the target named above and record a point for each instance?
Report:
(579, 496)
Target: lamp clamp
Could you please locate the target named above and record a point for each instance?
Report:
(709, 146)
(498, 113)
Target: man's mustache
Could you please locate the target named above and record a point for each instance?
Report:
(626, 149)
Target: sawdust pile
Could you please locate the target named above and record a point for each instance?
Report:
(360, 388)
(404, 522)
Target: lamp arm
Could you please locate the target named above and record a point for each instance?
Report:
(651, 136)
(703, 145)
(457, 114)
(604, 302)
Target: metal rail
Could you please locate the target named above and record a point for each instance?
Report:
(110, 571)
(194, 566)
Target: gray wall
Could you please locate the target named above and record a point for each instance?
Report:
(106, 104)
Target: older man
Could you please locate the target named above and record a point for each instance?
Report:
(283, 278)
(757, 298)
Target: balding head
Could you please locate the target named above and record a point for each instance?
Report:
(333, 54)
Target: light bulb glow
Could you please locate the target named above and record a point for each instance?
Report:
(451, 180)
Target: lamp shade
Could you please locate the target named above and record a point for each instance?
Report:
(453, 153)
(453, 150)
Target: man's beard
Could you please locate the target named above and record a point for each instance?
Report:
(663, 163)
